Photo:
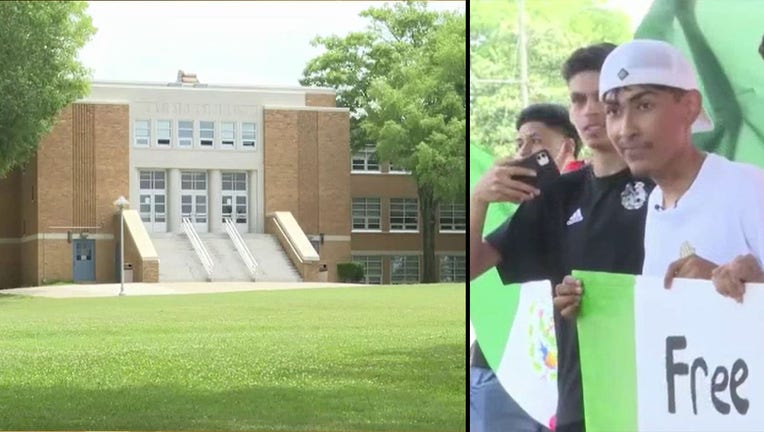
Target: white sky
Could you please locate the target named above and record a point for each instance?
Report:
(255, 43)
(635, 9)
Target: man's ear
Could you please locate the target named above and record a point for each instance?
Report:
(693, 103)
(567, 151)
(569, 144)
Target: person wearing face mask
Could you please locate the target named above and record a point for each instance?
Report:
(546, 126)
(540, 126)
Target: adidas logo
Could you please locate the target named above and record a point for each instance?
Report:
(575, 217)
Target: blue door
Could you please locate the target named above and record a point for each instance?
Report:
(83, 260)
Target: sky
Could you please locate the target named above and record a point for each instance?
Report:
(251, 43)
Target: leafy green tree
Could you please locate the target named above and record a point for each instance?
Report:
(554, 29)
(39, 73)
(405, 84)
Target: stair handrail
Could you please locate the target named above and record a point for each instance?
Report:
(241, 247)
(199, 248)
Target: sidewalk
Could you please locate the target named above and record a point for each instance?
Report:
(164, 288)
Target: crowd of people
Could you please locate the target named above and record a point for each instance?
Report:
(647, 202)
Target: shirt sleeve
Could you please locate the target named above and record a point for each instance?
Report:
(753, 214)
(519, 241)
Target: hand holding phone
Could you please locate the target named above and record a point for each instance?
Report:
(501, 184)
(540, 162)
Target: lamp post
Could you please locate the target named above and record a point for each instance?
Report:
(121, 203)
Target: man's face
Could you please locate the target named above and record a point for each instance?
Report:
(535, 136)
(648, 126)
(586, 111)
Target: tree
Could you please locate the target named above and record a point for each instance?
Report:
(39, 72)
(405, 84)
(554, 29)
(419, 124)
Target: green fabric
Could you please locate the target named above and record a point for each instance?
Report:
(606, 347)
(721, 37)
(492, 305)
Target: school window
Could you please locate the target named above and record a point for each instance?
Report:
(366, 214)
(404, 269)
(403, 214)
(372, 268)
(453, 217)
(185, 133)
(227, 134)
(394, 169)
(452, 268)
(365, 160)
(248, 135)
(206, 133)
(142, 133)
(164, 133)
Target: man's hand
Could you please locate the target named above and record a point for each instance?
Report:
(567, 297)
(729, 279)
(690, 267)
(499, 184)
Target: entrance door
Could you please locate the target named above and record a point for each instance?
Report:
(152, 197)
(193, 199)
(83, 260)
(235, 199)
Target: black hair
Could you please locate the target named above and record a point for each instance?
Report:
(552, 115)
(586, 59)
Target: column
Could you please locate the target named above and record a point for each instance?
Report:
(253, 193)
(215, 202)
(173, 201)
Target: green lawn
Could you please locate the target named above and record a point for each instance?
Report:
(338, 359)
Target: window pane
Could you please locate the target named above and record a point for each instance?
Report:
(206, 132)
(164, 132)
(142, 132)
(453, 217)
(365, 213)
(404, 269)
(372, 268)
(403, 214)
(227, 133)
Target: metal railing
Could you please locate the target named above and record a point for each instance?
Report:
(241, 247)
(196, 242)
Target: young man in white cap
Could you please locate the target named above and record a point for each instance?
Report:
(705, 209)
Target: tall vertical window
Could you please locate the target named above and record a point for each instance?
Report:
(185, 133)
(142, 133)
(227, 134)
(248, 137)
(206, 133)
(164, 133)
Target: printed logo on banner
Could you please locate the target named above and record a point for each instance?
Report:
(543, 345)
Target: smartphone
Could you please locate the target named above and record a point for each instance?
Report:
(542, 163)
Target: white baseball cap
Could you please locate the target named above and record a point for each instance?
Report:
(645, 61)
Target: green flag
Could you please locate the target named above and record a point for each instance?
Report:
(515, 323)
(721, 38)
(492, 335)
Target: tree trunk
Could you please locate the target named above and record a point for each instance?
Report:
(427, 210)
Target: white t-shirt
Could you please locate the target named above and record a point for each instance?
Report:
(720, 217)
